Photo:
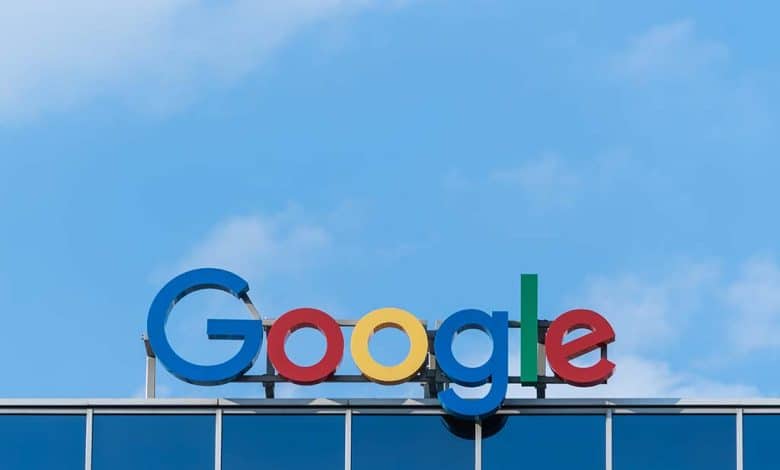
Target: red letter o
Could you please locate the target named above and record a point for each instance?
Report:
(305, 318)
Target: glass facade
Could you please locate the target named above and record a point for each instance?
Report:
(33, 442)
(153, 442)
(760, 441)
(386, 442)
(383, 437)
(692, 442)
(282, 442)
(537, 440)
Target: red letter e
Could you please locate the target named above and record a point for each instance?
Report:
(560, 355)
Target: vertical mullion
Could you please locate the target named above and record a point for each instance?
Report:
(608, 441)
(218, 440)
(88, 441)
(477, 446)
(740, 440)
(348, 439)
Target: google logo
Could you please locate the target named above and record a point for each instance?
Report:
(560, 351)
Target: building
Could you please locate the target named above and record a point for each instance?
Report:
(442, 431)
(374, 434)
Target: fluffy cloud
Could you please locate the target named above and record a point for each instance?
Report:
(258, 245)
(635, 377)
(550, 179)
(649, 316)
(55, 54)
(672, 50)
(546, 178)
(649, 313)
(640, 377)
(755, 297)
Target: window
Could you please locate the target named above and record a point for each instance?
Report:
(32, 442)
(411, 442)
(760, 441)
(690, 442)
(536, 441)
(153, 442)
(282, 442)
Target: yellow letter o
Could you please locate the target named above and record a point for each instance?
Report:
(389, 317)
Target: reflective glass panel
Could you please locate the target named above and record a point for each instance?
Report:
(546, 441)
(685, 441)
(410, 442)
(282, 442)
(32, 442)
(761, 442)
(153, 442)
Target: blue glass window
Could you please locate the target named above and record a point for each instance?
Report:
(689, 442)
(536, 441)
(282, 442)
(410, 442)
(760, 441)
(32, 442)
(153, 442)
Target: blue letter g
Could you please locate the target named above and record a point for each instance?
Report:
(493, 371)
(249, 331)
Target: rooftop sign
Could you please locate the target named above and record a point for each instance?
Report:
(424, 344)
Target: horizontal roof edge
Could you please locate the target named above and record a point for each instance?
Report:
(376, 402)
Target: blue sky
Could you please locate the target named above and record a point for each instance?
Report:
(353, 154)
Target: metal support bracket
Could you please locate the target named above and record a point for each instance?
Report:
(432, 379)
(151, 369)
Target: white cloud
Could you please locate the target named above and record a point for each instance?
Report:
(647, 315)
(546, 178)
(258, 245)
(755, 298)
(55, 54)
(670, 50)
(553, 180)
(639, 377)
(635, 377)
